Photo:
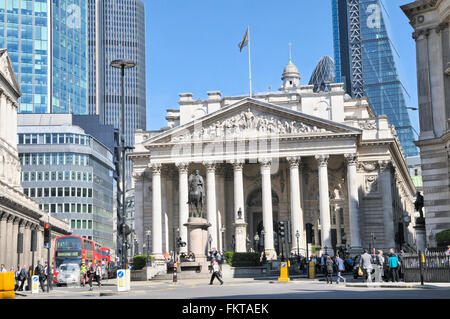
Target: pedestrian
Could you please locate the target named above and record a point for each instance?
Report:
(29, 278)
(393, 266)
(22, 277)
(98, 274)
(340, 268)
(379, 266)
(329, 265)
(39, 271)
(92, 274)
(48, 275)
(2, 268)
(83, 270)
(366, 265)
(16, 278)
(217, 271)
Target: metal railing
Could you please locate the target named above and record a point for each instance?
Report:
(436, 267)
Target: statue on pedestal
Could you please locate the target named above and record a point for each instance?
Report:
(418, 206)
(196, 194)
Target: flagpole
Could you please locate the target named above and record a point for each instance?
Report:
(249, 63)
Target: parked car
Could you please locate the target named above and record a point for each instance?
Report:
(68, 274)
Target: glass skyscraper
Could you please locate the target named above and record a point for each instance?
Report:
(365, 62)
(116, 30)
(45, 37)
(323, 74)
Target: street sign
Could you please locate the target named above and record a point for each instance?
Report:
(122, 279)
(35, 284)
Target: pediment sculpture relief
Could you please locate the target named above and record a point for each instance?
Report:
(249, 124)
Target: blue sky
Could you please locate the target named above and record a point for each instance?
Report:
(191, 46)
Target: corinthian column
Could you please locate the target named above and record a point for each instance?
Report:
(183, 202)
(267, 208)
(156, 210)
(324, 205)
(353, 202)
(239, 209)
(211, 201)
(296, 206)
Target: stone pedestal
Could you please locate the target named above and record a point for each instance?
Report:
(421, 236)
(240, 227)
(197, 229)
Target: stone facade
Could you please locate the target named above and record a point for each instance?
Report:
(430, 20)
(289, 155)
(18, 213)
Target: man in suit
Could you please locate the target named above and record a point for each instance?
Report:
(366, 265)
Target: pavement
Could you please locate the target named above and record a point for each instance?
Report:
(297, 287)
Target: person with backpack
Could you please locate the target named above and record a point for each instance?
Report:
(39, 271)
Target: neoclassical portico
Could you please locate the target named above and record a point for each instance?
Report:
(294, 155)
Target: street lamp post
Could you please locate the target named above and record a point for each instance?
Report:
(209, 242)
(122, 65)
(263, 235)
(148, 233)
(297, 235)
(222, 230)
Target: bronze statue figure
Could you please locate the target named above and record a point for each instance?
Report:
(196, 194)
(418, 204)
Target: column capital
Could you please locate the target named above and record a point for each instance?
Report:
(210, 166)
(351, 158)
(322, 159)
(156, 168)
(182, 166)
(294, 161)
(238, 164)
(265, 162)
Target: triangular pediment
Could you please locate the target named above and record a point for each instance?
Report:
(248, 119)
(7, 72)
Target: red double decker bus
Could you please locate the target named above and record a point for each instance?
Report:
(71, 249)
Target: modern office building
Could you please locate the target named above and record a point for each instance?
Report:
(323, 74)
(365, 62)
(47, 43)
(21, 219)
(68, 171)
(116, 30)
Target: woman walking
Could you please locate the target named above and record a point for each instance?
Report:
(217, 270)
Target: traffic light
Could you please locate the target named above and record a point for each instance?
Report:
(47, 235)
(282, 229)
(180, 243)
